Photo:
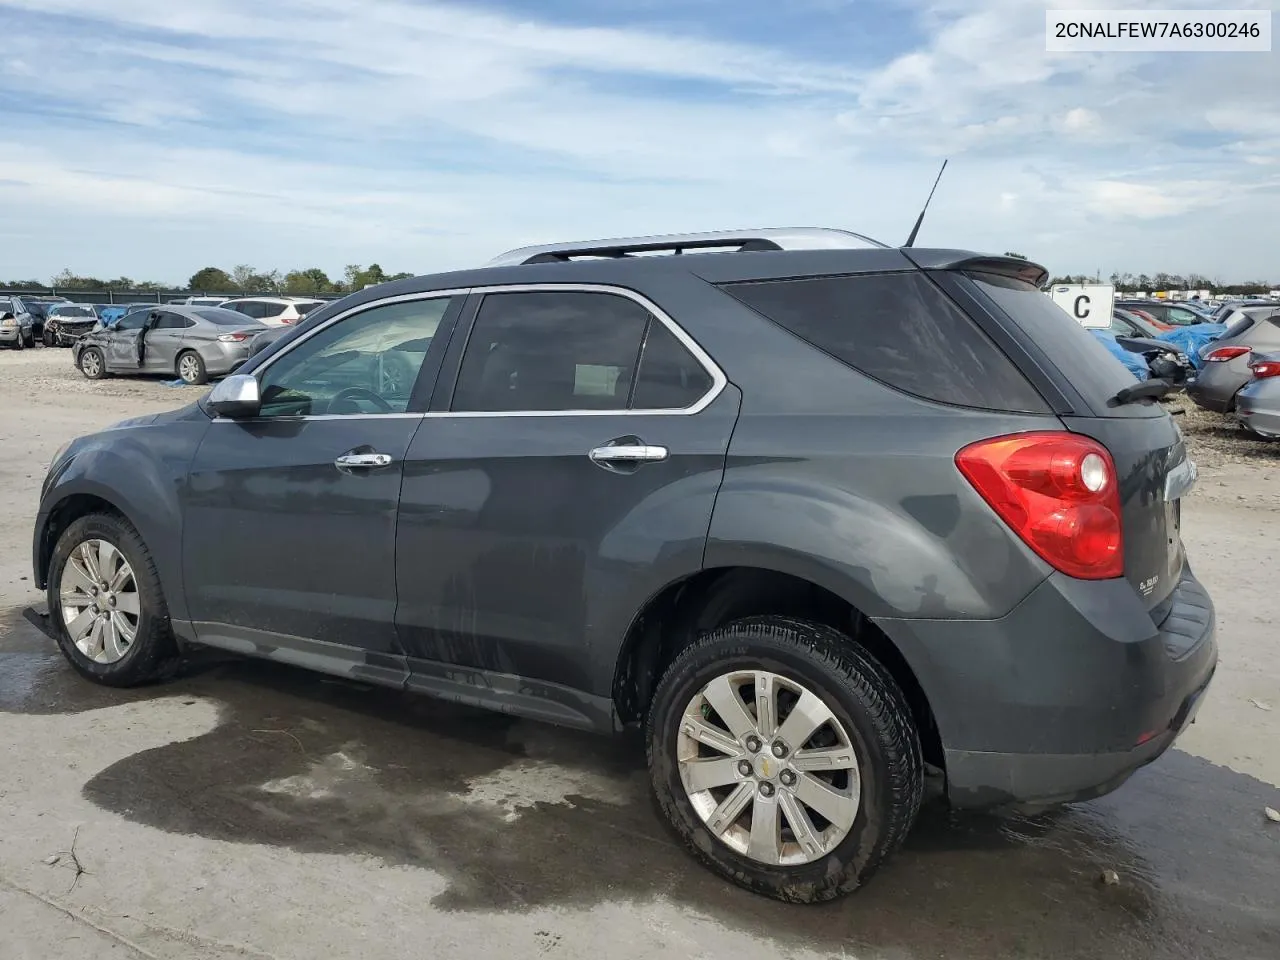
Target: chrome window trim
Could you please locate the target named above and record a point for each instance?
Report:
(718, 378)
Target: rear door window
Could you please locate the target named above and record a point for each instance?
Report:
(551, 351)
(900, 329)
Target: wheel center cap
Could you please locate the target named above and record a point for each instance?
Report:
(766, 767)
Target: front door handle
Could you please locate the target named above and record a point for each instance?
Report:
(365, 460)
(628, 453)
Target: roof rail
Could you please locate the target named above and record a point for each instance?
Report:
(769, 238)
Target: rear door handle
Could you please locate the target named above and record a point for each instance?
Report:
(363, 460)
(628, 453)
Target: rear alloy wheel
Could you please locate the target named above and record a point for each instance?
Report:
(91, 363)
(785, 758)
(106, 604)
(191, 368)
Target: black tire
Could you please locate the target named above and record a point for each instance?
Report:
(99, 371)
(21, 341)
(153, 654)
(861, 695)
(199, 376)
(31, 337)
(50, 338)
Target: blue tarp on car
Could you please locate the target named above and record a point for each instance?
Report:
(1190, 339)
(1133, 361)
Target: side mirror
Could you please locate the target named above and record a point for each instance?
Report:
(236, 398)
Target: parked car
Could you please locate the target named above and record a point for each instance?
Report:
(811, 511)
(274, 310)
(67, 322)
(1258, 402)
(1224, 366)
(1170, 314)
(1222, 314)
(38, 306)
(195, 343)
(266, 339)
(1164, 360)
(1126, 323)
(109, 314)
(17, 324)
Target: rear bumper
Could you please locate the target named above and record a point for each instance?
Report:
(1260, 414)
(224, 358)
(1068, 695)
(1216, 385)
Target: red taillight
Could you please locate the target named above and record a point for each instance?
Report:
(233, 337)
(1058, 491)
(1225, 353)
(1265, 368)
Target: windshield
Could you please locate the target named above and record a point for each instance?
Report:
(76, 310)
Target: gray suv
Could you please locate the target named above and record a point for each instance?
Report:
(819, 515)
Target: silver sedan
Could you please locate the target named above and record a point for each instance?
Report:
(1258, 404)
(194, 343)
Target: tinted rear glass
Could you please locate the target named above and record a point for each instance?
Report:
(900, 329)
(225, 318)
(305, 308)
(1085, 362)
(1237, 323)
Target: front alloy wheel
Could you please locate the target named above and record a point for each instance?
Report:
(99, 601)
(780, 791)
(106, 604)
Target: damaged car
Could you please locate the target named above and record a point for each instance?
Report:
(193, 343)
(65, 323)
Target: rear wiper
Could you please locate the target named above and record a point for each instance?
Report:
(1152, 389)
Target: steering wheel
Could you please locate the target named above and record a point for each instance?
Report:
(360, 393)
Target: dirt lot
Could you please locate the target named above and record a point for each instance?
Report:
(246, 810)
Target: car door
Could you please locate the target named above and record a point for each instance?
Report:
(124, 353)
(289, 517)
(163, 341)
(555, 491)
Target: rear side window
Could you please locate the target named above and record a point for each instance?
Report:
(1092, 370)
(669, 378)
(900, 329)
(223, 318)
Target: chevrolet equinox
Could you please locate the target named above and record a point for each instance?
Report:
(819, 515)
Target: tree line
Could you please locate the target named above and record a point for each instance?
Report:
(243, 278)
(1147, 283)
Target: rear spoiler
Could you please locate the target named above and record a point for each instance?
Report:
(1014, 267)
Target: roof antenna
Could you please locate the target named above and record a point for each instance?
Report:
(920, 219)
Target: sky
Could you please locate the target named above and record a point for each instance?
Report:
(150, 138)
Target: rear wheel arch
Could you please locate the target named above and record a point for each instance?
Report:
(676, 616)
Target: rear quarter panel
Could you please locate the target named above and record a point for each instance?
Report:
(850, 484)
